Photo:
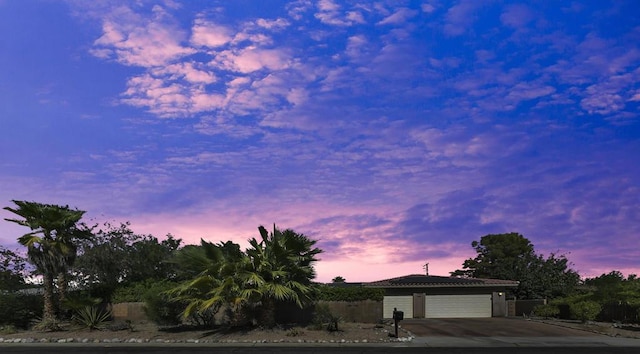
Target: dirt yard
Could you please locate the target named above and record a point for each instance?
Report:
(145, 332)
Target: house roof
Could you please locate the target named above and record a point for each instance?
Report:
(433, 281)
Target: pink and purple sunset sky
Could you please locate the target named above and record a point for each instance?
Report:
(394, 132)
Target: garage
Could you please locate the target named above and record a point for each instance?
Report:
(425, 296)
(458, 306)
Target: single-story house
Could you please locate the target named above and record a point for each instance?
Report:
(428, 296)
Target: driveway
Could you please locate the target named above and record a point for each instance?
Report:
(487, 327)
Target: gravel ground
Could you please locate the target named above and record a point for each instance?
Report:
(150, 333)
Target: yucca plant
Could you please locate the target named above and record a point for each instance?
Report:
(92, 317)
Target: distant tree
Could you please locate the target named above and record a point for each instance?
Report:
(614, 288)
(511, 256)
(338, 279)
(117, 256)
(51, 245)
(12, 270)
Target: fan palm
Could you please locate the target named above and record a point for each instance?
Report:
(51, 244)
(282, 270)
(221, 270)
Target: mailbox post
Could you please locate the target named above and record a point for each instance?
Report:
(397, 317)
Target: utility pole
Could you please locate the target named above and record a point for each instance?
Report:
(426, 268)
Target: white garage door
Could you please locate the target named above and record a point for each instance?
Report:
(402, 303)
(457, 306)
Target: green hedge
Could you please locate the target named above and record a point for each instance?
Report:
(352, 293)
(20, 310)
(158, 307)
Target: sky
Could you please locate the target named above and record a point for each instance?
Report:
(393, 132)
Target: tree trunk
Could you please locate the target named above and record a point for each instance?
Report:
(268, 313)
(63, 286)
(49, 311)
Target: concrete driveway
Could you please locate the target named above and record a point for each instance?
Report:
(507, 332)
(487, 327)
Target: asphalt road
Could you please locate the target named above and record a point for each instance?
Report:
(76, 349)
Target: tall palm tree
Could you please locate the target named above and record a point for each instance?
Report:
(51, 244)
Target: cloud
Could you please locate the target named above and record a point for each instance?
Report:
(330, 13)
(192, 72)
(208, 34)
(399, 17)
(459, 18)
(428, 8)
(516, 16)
(250, 59)
(277, 24)
(132, 39)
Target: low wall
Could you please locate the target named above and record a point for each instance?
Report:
(366, 311)
(133, 311)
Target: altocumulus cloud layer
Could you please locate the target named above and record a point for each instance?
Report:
(395, 132)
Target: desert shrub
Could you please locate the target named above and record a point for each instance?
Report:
(134, 292)
(19, 311)
(324, 318)
(159, 306)
(92, 317)
(355, 293)
(546, 311)
(585, 310)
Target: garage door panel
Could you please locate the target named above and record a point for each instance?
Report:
(402, 303)
(458, 306)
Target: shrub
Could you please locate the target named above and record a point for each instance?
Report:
(19, 311)
(324, 318)
(355, 293)
(158, 305)
(546, 311)
(585, 310)
(92, 317)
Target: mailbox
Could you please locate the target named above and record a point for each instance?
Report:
(398, 315)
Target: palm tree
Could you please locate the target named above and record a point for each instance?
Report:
(282, 270)
(51, 245)
(221, 272)
(278, 268)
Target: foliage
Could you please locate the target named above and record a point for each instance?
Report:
(159, 306)
(117, 256)
(613, 287)
(546, 311)
(161, 309)
(221, 272)
(338, 279)
(19, 310)
(324, 318)
(281, 270)
(136, 292)
(511, 257)
(47, 325)
(585, 310)
(92, 317)
(276, 268)
(354, 293)
(12, 270)
(51, 245)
